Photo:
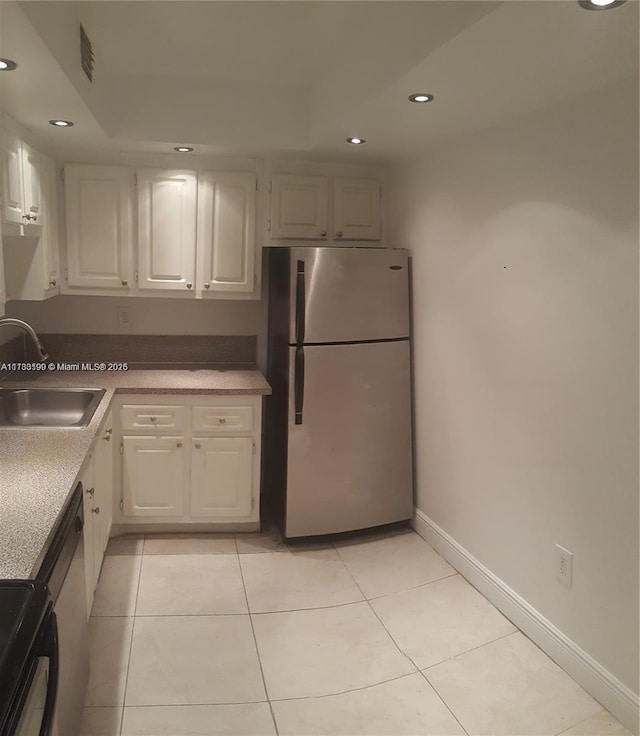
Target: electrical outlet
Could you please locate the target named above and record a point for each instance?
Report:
(124, 318)
(564, 565)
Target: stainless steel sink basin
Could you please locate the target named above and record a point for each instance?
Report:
(48, 407)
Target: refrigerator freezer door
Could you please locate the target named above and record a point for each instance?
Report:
(349, 461)
(350, 294)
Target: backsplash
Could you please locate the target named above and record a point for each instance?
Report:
(141, 351)
(13, 351)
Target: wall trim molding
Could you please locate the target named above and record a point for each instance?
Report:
(605, 687)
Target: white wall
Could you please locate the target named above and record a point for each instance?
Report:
(525, 255)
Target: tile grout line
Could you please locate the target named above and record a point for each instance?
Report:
(414, 587)
(366, 600)
(473, 649)
(604, 710)
(191, 705)
(398, 647)
(126, 678)
(345, 692)
(446, 705)
(255, 641)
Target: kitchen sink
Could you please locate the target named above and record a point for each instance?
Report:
(48, 407)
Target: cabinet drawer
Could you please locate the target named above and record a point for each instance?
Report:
(148, 416)
(230, 420)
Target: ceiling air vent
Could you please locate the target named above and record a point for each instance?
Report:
(86, 54)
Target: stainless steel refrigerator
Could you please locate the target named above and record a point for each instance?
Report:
(338, 450)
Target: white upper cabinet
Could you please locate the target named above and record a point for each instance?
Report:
(226, 233)
(167, 203)
(324, 208)
(22, 205)
(356, 208)
(12, 187)
(32, 184)
(31, 264)
(299, 207)
(50, 234)
(99, 238)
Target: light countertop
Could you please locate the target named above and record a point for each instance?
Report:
(39, 468)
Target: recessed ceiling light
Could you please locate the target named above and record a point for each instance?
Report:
(356, 141)
(61, 123)
(183, 149)
(599, 4)
(421, 97)
(6, 65)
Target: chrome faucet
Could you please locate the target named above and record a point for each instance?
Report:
(10, 321)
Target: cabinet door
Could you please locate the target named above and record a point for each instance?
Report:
(103, 498)
(98, 204)
(226, 232)
(31, 263)
(299, 207)
(32, 186)
(154, 476)
(166, 229)
(356, 209)
(12, 188)
(221, 475)
(50, 233)
(90, 573)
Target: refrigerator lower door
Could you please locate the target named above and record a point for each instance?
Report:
(349, 463)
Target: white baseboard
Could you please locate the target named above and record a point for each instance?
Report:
(607, 689)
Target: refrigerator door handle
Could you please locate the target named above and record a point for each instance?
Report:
(300, 303)
(299, 384)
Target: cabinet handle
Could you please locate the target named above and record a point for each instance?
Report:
(52, 282)
(107, 437)
(125, 282)
(91, 491)
(96, 510)
(110, 430)
(323, 233)
(178, 444)
(152, 419)
(339, 234)
(197, 445)
(222, 420)
(189, 285)
(207, 285)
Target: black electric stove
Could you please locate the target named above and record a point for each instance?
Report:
(25, 606)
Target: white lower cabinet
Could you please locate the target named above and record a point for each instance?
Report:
(221, 477)
(153, 474)
(88, 490)
(97, 483)
(208, 473)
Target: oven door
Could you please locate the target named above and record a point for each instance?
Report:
(37, 702)
(34, 708)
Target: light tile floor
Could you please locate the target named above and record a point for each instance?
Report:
(222, 635)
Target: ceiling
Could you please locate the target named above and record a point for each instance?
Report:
(263, 77)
